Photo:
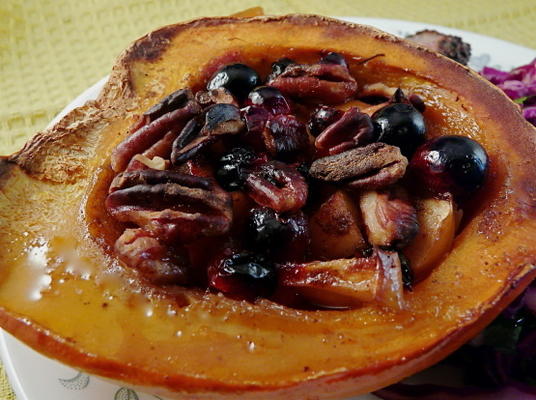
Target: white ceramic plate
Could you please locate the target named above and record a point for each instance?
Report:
(35, 377)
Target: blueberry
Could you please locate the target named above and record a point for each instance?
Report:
(401, 125)
(284, 237)
(279, 67)
(233, 168)
(239, 79)
(289, 137)
(269, 98)
(321, 118)
(243, 274)
(334, 58)
(249, 265)
(303, 169)
(453, 164)
(266, 229)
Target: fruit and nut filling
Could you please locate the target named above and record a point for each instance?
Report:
(304, 187)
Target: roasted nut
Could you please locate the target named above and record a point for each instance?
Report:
(390, 219)
(139, 161)
(324, 82)
(369, 167)
(170, 205)
(189, 142)
(353, 129)
(148, 135)
(156, 262)
(278, 186)
(220, 119)
(153, 177)
(174, 101)
(156, 156)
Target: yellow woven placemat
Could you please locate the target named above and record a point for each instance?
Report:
(51, 50)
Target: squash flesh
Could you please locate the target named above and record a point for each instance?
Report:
(217, 332)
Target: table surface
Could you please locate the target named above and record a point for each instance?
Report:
(51, 50)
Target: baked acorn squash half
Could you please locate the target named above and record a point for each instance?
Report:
(69, 291)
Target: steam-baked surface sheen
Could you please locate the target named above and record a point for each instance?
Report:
(63, 291)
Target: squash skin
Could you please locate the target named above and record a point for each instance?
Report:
(62, 163)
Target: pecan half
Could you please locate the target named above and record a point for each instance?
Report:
(170, 205)
(278, 186)
(189, 142)
(390, 219)
(174, 101)
(139, 161)
(169, 103)
(373, 166)
(156, 262)
(149, 134)
(323, 82)
(220, 120)
(353, 129)
(156, 156)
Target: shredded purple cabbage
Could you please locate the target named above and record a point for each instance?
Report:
(518, 84)
(530, 299)
(402, 391)
(530, 114)
(499, 364)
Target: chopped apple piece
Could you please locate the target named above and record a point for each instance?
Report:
(345, 283)
(390, 219)
(334, 228)
(437, 222)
